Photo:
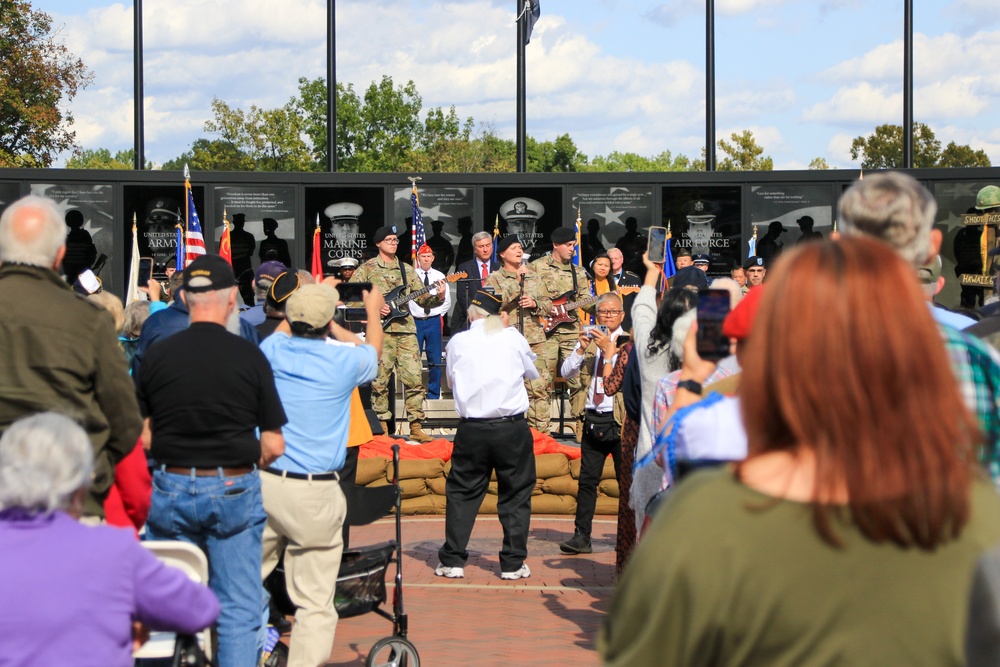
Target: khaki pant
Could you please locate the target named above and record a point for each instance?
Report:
(551, 354)
(304, 518)
(400, 352)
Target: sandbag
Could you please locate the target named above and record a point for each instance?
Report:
(427, 504)
(493, 488)
(417, 468)
(412, 488)
(609, 487)
(489, 505)
(437, 485)
(606, 505)
(369, 470)
(607, 473)
(549, 503)
(564, 485)
(551, 465)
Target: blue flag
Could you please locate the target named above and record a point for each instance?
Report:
(668, 262)
(179, 257)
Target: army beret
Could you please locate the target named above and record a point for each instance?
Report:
(754, 261)
(507, 241)
(382, 232)
(563, 235)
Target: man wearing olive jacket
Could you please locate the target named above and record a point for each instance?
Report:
(59, 351)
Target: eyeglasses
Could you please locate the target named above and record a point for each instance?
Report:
(390, 241)
(609, 313)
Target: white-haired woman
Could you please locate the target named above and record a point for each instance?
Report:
(72, 592)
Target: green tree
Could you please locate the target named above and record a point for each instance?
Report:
(819, 163)
(101, 158)
(883, 148)
(560, 155)
(618, 162)
(210, 155)
(954, 155)
(37, 75)
(743, 154)
(267, 139)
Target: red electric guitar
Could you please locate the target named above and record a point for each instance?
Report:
(562, 307)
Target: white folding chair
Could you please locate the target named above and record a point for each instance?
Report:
(192, 561)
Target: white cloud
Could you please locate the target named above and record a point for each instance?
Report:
(859, 104)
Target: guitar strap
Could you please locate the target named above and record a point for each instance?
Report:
(402, 272)
(576, 288)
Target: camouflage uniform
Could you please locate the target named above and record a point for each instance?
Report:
(554, 280)
(507, 285)
(400, 351)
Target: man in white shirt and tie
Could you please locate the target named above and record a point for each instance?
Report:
(487, 366)
(429, 322)
(595, 353)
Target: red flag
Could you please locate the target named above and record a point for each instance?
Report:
(225, 245)
(317, 259)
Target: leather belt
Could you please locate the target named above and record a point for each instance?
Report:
(511, 418)
(311, 476)
(219, 471)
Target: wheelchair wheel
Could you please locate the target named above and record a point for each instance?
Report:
(393, 652)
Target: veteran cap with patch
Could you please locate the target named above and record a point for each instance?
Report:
(487, 301)
(208, 273)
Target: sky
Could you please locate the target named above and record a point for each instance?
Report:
(805, 76)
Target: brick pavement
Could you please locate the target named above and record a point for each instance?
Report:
(551, 618)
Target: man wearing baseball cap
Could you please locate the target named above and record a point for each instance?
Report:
(203, 394)
(305, 505)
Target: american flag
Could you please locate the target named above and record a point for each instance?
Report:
(195, 245)
(417, 232)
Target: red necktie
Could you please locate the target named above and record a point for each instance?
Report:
(599, 395)
(486, 272)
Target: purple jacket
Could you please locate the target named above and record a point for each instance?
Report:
(70, 593)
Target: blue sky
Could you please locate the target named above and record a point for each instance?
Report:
(806, 76)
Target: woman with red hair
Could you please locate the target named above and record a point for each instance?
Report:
(849, 534)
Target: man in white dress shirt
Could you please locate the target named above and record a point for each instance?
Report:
(487, 366)
(429, 322)
(603, 417)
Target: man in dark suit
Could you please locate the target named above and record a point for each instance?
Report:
(480, 266)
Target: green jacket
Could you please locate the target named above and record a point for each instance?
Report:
(507, 286)
(556, 279)
(386, 277)
(60, 352)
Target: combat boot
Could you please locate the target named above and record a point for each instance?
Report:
(417, 434)
(385, 428)
(579, 431)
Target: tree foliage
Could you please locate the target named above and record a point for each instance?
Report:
(37, 73)
(743, 154)
(618, 162)
(883, 149)
(820, 163)
(101, 158)
(385, 129)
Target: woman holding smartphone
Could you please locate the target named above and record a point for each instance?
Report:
(849, 534)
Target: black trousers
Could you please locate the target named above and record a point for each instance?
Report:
(593, 455)
(348, 474)
(481, 448)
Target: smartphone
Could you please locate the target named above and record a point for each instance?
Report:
(352, 292)
(145, 271)
(713, 307)
(590, 328)
(656, 249)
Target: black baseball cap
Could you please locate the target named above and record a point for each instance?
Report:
(208, 273)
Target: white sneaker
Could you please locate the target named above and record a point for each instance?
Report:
(450, 572)
(522, 573)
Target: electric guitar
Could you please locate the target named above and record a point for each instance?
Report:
(562, 307)
(398, 304)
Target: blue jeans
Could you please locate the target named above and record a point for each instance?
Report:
(429, 339)
(225, 517)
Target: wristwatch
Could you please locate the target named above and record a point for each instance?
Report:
(690, 385)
